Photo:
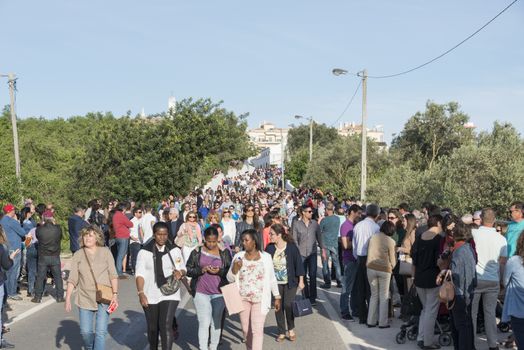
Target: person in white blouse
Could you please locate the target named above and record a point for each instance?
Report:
(254, 272)
(156, 261)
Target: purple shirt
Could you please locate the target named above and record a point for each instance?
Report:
(346, 230)
(208, 283)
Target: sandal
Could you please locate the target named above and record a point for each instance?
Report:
(280, 338)
(292, 336)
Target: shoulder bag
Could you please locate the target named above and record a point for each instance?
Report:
(446, 292)
(104, 293)
(405, 265)
(302, 306)
(172, 285)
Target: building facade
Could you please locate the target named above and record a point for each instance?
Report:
(272, 143)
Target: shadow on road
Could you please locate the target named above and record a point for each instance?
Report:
(69, 333)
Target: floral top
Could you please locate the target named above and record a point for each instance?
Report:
(251, 280)
(280, 264)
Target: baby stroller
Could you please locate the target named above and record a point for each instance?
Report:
(411, 306)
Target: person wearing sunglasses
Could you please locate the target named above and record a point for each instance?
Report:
(249, 221)
(189, 235)
(136, 237)
(306, 234)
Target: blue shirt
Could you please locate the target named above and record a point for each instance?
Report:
(13, 231)
(512, 235)
(75, 224)
(514, 282)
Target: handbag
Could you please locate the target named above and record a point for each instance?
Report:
(302, 306)
(405, 265)
(104, 293)
(172, 284)
(232, 298)
(446, 292)
(411, 305)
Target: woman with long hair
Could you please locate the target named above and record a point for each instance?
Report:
(208, 266)
(229, 227)
(158, 260)
(249, 221)
(253, 270)
(289, 272)
(514, 300)
(189, 235)
(410, 226)
(91, 265)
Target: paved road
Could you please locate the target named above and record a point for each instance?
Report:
(52, 328)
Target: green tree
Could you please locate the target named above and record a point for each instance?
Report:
(323, 136)
(435, 133)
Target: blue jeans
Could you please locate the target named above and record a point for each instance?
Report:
(310, 268)
(333, 253)
(11, 282)
(350, 272)
(517, 324)
(121, 245)
(209, 312)
(32, 260)
(134, 248)
(94, 337)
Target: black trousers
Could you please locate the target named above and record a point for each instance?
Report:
(286, 311)
(159, 318)
(53, 263)
(361, 289)
(462, 325)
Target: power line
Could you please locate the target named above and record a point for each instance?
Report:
(446, 52)
(349, 104)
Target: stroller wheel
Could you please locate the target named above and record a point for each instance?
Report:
(444, 339)
(503, 327)
(401, 338)
(412, 334)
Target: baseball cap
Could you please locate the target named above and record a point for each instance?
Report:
(476, 215)
(8, 208)
(48, 214)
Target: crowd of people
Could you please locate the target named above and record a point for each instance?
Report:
(267, 240)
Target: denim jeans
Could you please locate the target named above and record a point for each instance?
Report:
(310, 269)
(32, 260)
(11, 282)
(209, 310)
(331, 252)
(2, 293)
(53, 263)
(350, 272)
(517, 324)
(121, 246)
(134, 248)
(94, 337)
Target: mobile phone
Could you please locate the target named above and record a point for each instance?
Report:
(111, 308)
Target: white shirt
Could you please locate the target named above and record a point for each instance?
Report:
(362, 234)
(145, 269)
(133, 231)
(490, 245)
(230, 231)
(147, 226)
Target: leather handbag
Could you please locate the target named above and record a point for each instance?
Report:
(302, 306)
(172, 285)
(104, 293)
(446, 292)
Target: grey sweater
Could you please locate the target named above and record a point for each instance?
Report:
(463, 271)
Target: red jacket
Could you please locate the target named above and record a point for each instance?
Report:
(121, 225)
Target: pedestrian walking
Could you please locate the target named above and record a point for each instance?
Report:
(92, 265)
(6, 263)
(208, 266)
(254, 272)
(289, 272)
(157, 260)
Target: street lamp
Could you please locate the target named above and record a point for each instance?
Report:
(363, 174)
(310, 135)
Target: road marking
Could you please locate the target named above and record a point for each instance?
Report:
(31, 311)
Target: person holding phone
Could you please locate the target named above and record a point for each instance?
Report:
(208, 266)
(254, 271)
(6, 262)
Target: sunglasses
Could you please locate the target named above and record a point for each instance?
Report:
(308, 211)
(392, 217)
(191, 217)
(248, 210)
(139, 212)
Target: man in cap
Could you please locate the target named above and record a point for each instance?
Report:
(15, 234)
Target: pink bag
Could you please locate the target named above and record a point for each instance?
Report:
(232, 298)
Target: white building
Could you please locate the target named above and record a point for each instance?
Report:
(271, 141)
(376, 133)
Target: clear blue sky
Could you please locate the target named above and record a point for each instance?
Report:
(272, 59)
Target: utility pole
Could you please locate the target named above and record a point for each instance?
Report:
(11, 80)
(310, 139)
(363, 165)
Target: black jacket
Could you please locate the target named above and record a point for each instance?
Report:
(5, 262)
(195, 271)
(294, 265)
(49, 237)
